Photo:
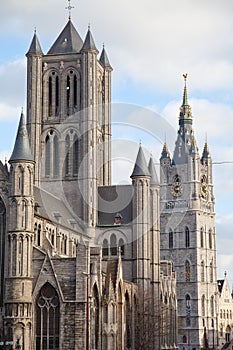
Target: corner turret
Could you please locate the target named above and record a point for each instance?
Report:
(22, 149)
(140, 167)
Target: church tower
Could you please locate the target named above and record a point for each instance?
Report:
(18, 281)
(69, 119)
(188, 236)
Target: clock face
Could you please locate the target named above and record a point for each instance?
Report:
(176, 189)
(204, 190)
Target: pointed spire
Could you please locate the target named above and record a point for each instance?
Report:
(104, 59)
(35, 48)
(165, 152)
(206, 152)
(185, 95)
(185, 109)
(69, 41)
(22, 149)
(153, 174)
(89, 44)
(140, 167)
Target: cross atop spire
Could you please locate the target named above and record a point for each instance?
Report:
(69, 8)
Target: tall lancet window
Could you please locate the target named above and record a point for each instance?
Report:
(68, 94)
(75, 155)
(55, 156)
(57, 96)
(67, 159)
(53, 95)
(47, 155)
(95, 319)
(187, 271)
(188, 310)
(47, 319)
(50, 95)
(75, 92)
(187, 238)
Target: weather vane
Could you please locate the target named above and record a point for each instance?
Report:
(69, 8)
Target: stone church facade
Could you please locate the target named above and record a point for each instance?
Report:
(80, 258)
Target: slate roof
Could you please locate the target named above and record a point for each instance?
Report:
(104, 59)
(69, 41)
(140, 167)
(153, 174)
(89, 44)
(35, 47)
(21, 149)
(54, 209)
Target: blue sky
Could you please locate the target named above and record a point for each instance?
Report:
(150, 45)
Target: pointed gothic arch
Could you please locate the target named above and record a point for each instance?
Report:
(128, 330)
(47, 318)
(95, 320)
(187, 237)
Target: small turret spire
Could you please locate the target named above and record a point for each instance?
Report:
(22, 149)
(140, 167)
(165, 152)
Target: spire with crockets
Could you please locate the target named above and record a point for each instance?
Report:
(185, 143)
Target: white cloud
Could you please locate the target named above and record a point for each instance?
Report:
(12, 82)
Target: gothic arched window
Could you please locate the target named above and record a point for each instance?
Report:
(210, 239)
(113, 244)
(170, 239)
(203, 305)
(202, 272)
(47, 156)
(47, 319)
(188, 310)
(187, 271)
(187, 238)
(211, 272)
(202, 237)
(105, 247)
(128, 321)
(67, 161)
(68, 95)
(39, 235)
(212, 305)
(95, 319)
(75, 155)
(55, 156)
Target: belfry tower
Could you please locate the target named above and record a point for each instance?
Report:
(188, 236)
(69, 119)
